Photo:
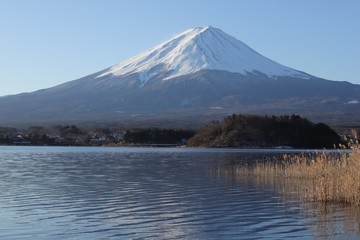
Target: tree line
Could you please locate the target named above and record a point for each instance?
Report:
(158, 136)
(264, 131)
(233, 131)
(71, 135)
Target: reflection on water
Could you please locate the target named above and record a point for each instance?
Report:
(132, 193)
(325, 220)
(333, 220)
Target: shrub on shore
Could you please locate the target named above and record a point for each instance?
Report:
(327, 176)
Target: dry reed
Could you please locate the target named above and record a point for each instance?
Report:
(325, 176)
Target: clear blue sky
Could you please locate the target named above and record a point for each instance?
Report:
(47, 42)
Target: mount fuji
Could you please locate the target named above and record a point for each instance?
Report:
(197, 49)
(199, 75)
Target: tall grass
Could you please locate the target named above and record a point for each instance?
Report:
(326, 176)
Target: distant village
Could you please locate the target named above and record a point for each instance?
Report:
(234, 131)
(72, 135)
(59, 136)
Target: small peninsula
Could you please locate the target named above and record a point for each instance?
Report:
(266, 131)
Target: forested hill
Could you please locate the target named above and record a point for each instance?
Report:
(264, 131)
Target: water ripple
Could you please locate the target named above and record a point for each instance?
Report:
(121, 193)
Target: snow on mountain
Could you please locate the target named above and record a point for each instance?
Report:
(196, 49)
(184, 88)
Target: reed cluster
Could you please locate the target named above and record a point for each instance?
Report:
(325, 176)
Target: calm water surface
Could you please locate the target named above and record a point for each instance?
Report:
(150, 193)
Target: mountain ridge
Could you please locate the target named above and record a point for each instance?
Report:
(197, 49)
(178, 79)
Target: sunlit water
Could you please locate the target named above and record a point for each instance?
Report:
(150, 193)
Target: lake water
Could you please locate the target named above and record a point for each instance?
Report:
(150, 193)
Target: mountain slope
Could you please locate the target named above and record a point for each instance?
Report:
(197, 49)
(200, 74)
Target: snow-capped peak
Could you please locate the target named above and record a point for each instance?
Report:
(196, 49)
